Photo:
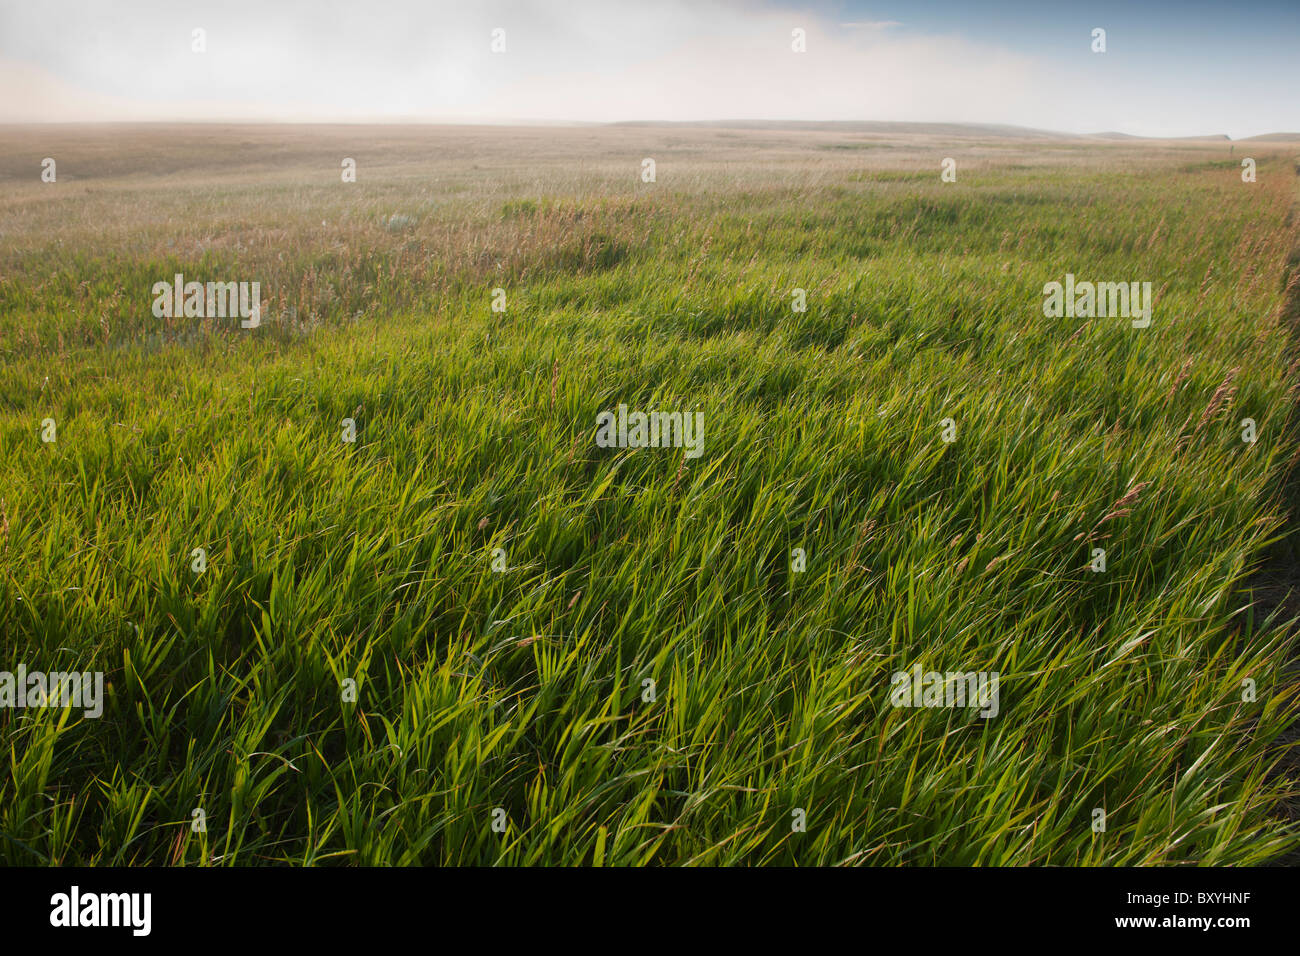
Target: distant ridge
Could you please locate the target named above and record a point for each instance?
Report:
(861, 126)
(984, 130)
(1211, 137)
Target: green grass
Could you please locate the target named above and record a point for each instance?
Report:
(524, 690)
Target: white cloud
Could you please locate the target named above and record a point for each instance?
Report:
(588, 60)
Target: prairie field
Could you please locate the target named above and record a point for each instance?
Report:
(366, 589)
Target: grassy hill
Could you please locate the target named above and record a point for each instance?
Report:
(635, 655)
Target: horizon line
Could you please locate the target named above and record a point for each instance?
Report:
(720, 123)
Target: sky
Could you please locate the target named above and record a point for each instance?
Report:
(1197, 67)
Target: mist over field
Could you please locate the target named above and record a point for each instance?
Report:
(713, 450)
